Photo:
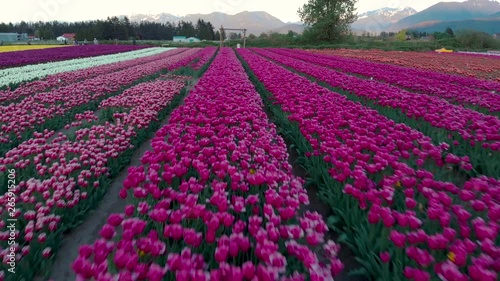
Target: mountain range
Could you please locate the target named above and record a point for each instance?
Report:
(381, 19)
(451, 11)
(255, 22)
(482, 15)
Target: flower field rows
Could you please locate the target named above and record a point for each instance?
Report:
(71, 77)
(424, 82)
(403, 150)
(57, 107)
(466, 132)
(215, 191)
(197, 60)
(417, 221)
(62, 178)
(19, 58)
(483, 67)
(16, 75)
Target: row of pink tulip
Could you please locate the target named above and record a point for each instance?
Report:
(204, 58)
(428, 82)
(414, 64)
(458, 67)
(17, 120)
(470, 124)
(70, 78)
(215, 199)
(196, 60)
(60, 178)
(468, 132)
(419, 219)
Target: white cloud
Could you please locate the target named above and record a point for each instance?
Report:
(368, 5)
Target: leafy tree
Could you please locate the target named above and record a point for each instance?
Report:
(233, 36)
(413, 33)
(291, 34)
(263, 35)
(401, 35)
(422, 34)
(476, 40)
(450, 32)
(210, 30)
(204, 30)
(4, 27)
(127, 27)
(252, 36)
(186, 29)
(329, 19)
(441, 35)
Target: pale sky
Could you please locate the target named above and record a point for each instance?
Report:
(76, 10)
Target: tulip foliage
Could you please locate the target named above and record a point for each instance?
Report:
(408, 208)
(463, 131)
(215, 198)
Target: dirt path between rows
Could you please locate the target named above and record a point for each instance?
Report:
(317, 205)
(88, 231)
(345, 255)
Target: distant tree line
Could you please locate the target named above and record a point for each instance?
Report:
(114, 28)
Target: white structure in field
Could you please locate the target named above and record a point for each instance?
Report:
(13, 37)
(183, 39)
(66, 37)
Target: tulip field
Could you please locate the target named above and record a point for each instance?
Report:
(403, 152)
(472, 65)
(35, 56)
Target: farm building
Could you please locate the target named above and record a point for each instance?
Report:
(66, 37)
(193, 39)
(179, 38)
(13, 37)
(183, 39)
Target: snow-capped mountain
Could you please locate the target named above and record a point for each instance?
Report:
(390, 14)
(162, 17)
(378, 20)
(450, 11)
